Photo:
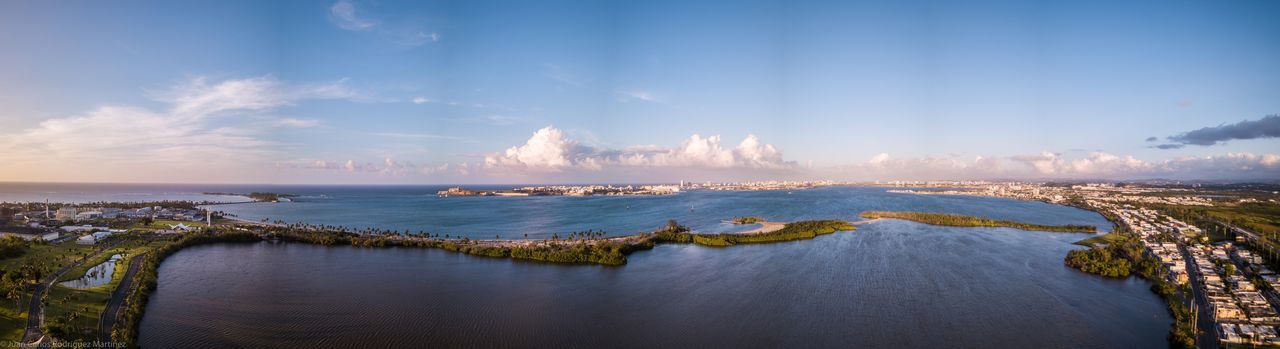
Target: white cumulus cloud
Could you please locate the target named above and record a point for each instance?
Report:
(550, 150)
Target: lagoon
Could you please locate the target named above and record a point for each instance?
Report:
(888, 284)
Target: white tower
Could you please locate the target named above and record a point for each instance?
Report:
(208, 218)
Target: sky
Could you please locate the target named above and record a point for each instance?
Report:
(444, 92)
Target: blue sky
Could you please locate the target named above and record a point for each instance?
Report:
(540, 91)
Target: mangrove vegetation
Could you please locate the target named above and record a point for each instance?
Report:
(955, 220)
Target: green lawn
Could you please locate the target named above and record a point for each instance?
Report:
(49, 257)
(11, 323)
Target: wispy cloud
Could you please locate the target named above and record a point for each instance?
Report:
(496, 120)
(387, 166)
(346, 14)
(554, 72)
(343, 14)
(637, 95)
(206, 124)
(1267, 127)
(418, 136)
(300, 123)
(421, 100)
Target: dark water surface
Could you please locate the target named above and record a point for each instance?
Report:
(888, 284)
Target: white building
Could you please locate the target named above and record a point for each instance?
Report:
(93, 238)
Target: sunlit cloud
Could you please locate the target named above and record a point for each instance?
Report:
(224, 124)
(551, 150)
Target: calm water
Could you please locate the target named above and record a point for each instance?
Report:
(96, 276)
(889, 284)
(418, 208)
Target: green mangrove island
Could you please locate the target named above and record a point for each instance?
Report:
(955, 220)
(578, 247)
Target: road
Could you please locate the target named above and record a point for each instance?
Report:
(1207, 332)
(35, 311)
(112, 312)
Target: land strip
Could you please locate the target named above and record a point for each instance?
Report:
(955, 220)
(112, 312)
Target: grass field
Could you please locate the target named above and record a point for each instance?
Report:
(1263, 219)
(48, 257)
(164, 224)
(11, 323)
(86, 304)
(77, 311)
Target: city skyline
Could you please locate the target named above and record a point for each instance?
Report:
(568, 92)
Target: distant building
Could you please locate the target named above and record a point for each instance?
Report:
(181, 227)
(66, 213)
(81, 228)
(93, 238)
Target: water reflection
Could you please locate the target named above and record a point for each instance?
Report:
(97, 276)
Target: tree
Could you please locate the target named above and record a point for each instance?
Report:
(12, 284)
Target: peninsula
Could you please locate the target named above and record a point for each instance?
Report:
(955, 220)
(566, 190)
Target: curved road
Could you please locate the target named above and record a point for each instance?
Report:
(112, 311)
